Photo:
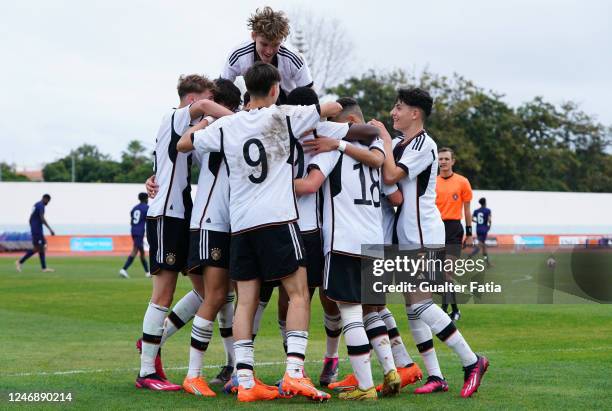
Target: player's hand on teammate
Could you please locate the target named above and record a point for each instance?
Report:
(151, 186)
(384, 134)
(320, 144)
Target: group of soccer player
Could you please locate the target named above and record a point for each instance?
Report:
(288, 192)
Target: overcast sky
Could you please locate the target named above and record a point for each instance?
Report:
(77, 72)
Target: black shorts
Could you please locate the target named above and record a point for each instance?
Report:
(138, 240)
(314, 257)
(168, 239)
(38, 240)
(454, 237)
(208, 248)
(482, 236)
(269, 253)
(342, 277)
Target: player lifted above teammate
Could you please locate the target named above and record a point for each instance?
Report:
(269, 29)
(257, 146)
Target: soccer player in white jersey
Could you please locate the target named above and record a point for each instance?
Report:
(352, 218)
(310, 220)
(412, 163)
(228, 95)
(257, 146)
(390, 196)
(168, 221)
(209, 252)
(269, 29)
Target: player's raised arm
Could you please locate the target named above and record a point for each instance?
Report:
(392, 173)
(185, 143)
(208, 108)
(371, 157)
(330, 109)
(364, 133)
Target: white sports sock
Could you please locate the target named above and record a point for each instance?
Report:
(424, 342)
(258, 314)
(226, 320)
(182, 312)
(400, 354)
(245, 359)
(333, 329)
(201, 333)
(445, 329)
(379, 340)
(297, 341)
(152, 329)
(357, 343)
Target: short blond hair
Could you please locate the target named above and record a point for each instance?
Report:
(273, 25)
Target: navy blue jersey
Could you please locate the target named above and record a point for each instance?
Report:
(36, 218)
(481, 217)
(138, 217)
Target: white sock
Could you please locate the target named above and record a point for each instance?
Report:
(258, 314)
(201, 333)
(226, 320)
(400, 354)
(333, 329)
(245, 359)
(282, 327)
(357, 343)
(182, 312)
(297, 341)
(424, 342)
(445, 329)
(152, 330)
(379, 340)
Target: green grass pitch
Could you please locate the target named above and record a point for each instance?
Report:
(74, 331)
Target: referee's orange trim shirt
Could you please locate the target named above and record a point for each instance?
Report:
(451, 193)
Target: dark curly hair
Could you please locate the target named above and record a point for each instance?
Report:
(302, 96)
(227, 94)
(416, 97)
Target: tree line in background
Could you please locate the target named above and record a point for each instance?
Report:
(535, 146)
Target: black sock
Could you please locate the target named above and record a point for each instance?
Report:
(128, 262)
(43, 261)
(27, 255)
(144, 264)
(455, 308)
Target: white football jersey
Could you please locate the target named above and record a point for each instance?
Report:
(257, 146)
(291, 64)
(351, 202)
(308, 205)
(211, 204)
(418, 220)
(172, 168)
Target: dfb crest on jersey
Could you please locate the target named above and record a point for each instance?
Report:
(215, 254)
(455, 196)
(170, 258)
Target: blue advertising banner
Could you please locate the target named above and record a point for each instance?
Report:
(91, 244)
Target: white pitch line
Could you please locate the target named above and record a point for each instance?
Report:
(273, 363)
